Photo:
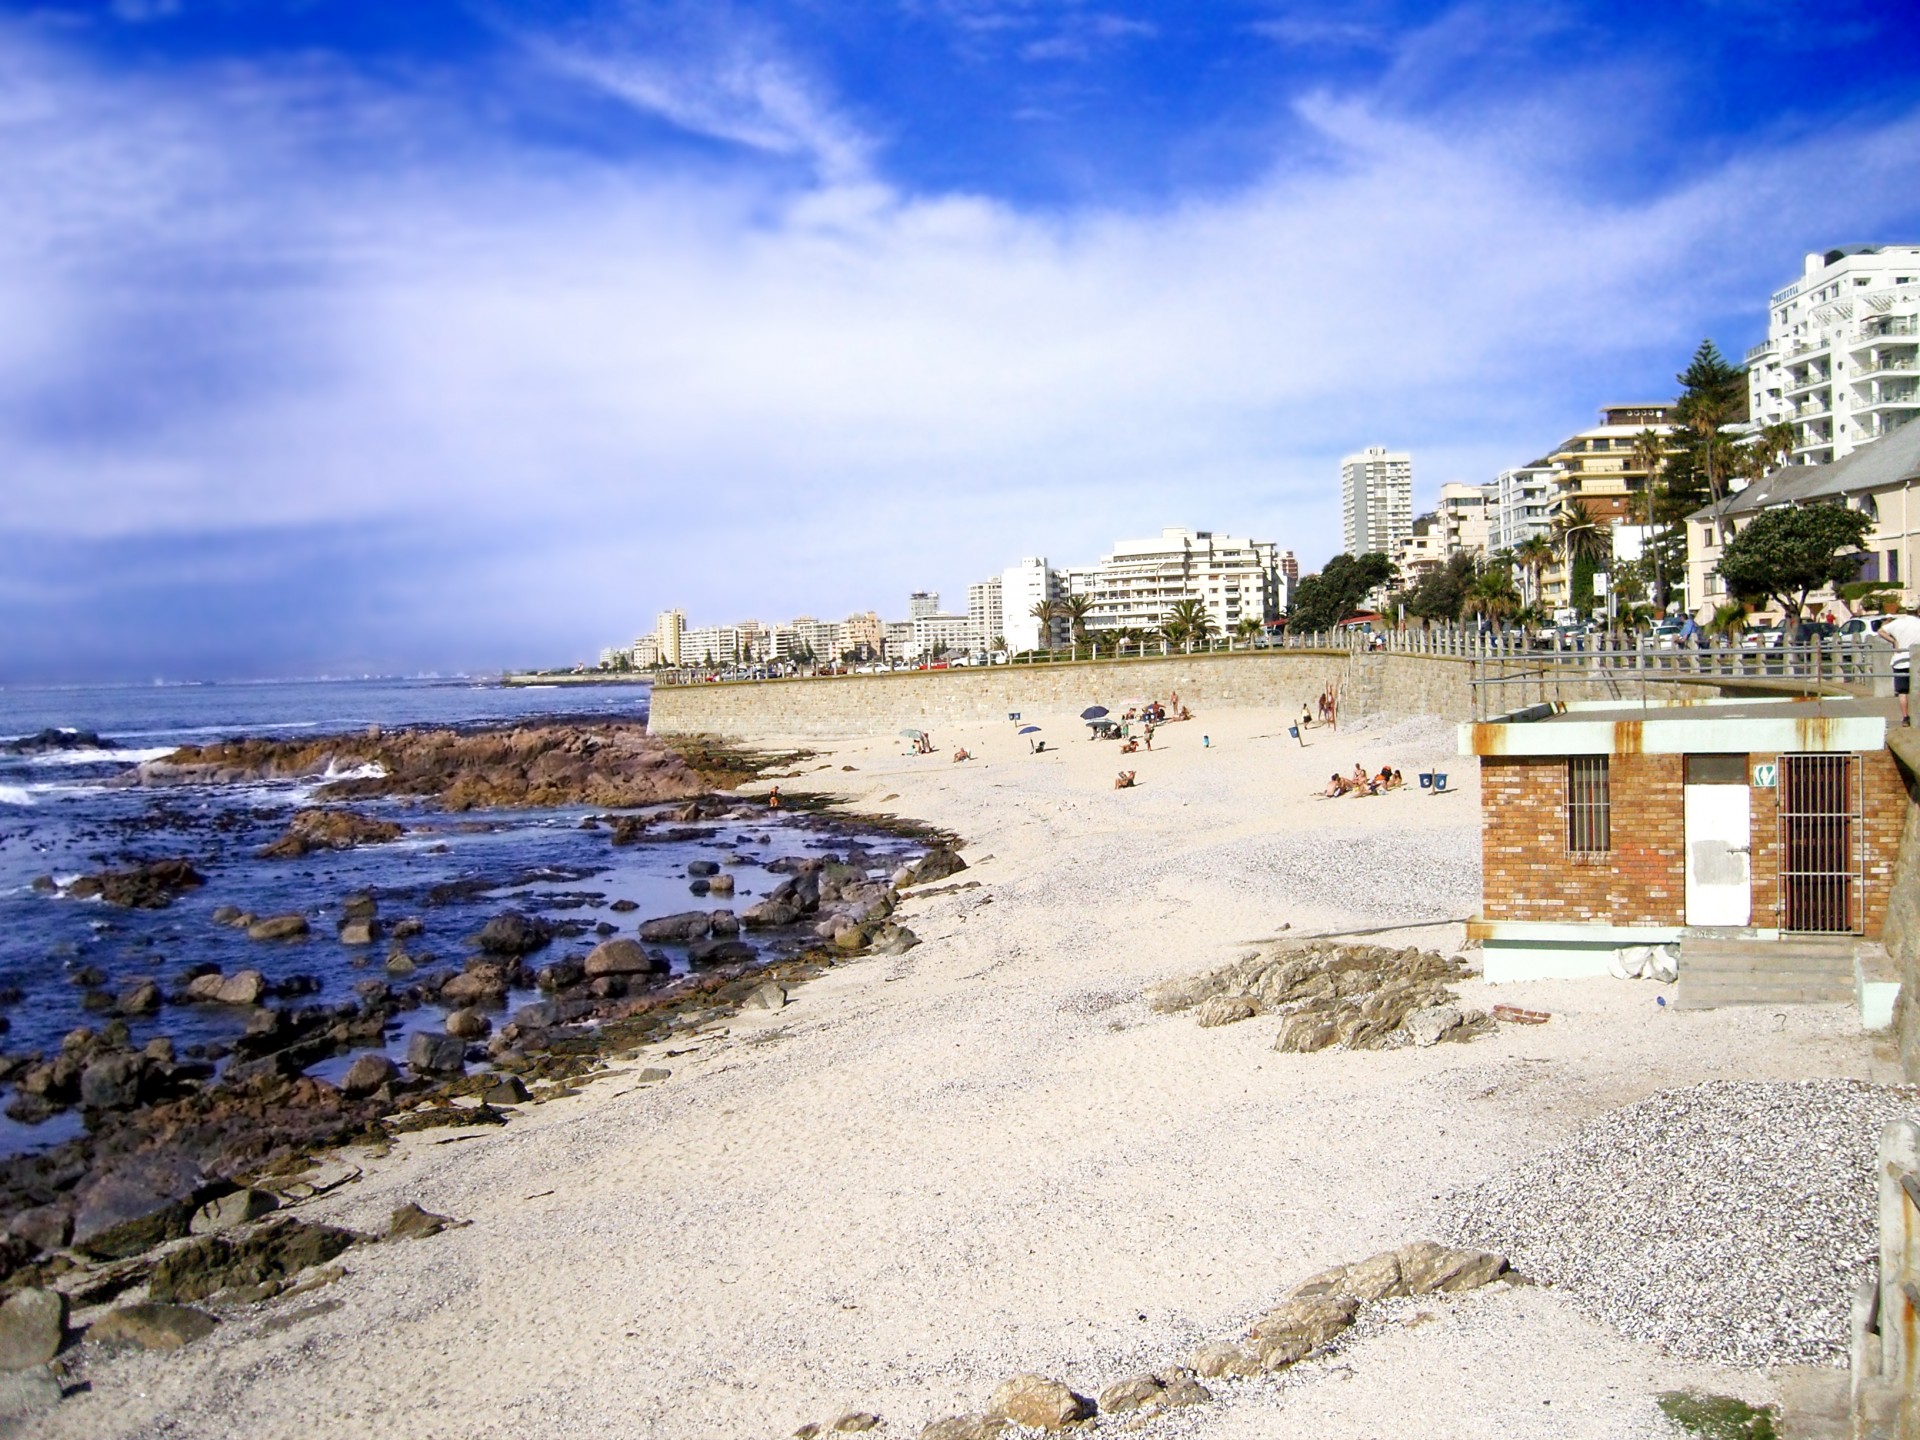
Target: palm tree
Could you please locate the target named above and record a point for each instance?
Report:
(1581, 538)
(1046, 612)
(1533, 556)
(1650, 455)
(1074, 610)
(1188, 623)
(1492, 594)
(1248, 628)
(1711, 395)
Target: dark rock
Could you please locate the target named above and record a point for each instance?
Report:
(112, 1082)
(368, 1073)
(703, 953)
(432, 1053)
(151, 886)
(324, 829)
(232, 1210)
(137, 1206)
(152, 1326)
(623, 907)
(623, 957)
(142, 997)
(409, 927)
(703, 867)
(560, 975)
(278, 927)
(512, 933)
(769, 914)
(52, 741)
(507, 1090)
(410, 1222)
(468, 1024)
(680, 928)
(934, 865)
(45, 1227)
(33, 1323)
(271, 1254)
(484, 986)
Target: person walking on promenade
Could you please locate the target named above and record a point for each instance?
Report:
(1903, 633)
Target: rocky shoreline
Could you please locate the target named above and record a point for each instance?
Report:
(177, 1145)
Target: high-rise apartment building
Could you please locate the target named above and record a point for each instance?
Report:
(1290, 568)
(1841, 361)
(1519, 505)
(1376, 500)
(667, 629)
(1463, 517)
(1022, 587)
(922, 603)
(985, 613)
(1141, 580)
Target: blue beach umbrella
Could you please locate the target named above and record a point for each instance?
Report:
(1028, 730)
(1094, 712)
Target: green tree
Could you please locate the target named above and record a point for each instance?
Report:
(1584, 542)
(1650, 455)
(1074, 610)
(1322, 601)
(1188, 623)
(1788, 553)
(1046, 612)
(1534, 556)
(1713, 394)
(1248, 628)
(1492, 596)
(1442, 594)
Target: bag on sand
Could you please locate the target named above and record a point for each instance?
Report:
(1645, 962)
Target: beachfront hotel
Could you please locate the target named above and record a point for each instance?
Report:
(1376, 500)
(1135, 585)
(1841, 361)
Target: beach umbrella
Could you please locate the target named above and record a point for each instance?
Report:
(1094, 712)
(1028, 730)
(911, 734)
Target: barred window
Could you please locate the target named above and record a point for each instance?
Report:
(1589, 805)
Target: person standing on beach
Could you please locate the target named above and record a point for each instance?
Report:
(1903, 633)
(773, 798)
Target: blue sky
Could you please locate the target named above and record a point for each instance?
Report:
(364, 336)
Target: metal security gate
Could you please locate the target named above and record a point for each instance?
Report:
(1820, 860)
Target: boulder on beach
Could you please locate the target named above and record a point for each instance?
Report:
(267, 1256)
(469, 1023)
(704, 953)
(1038, 1403)
(150, 886)
(232, 1210)
(33, 1323)
(329, 829)
(623, 957)
(677, 929)
(512, 933)
(436, 1053)
(137, 1205)
(243, 987)
(152, 1325)
(278, 927)
(368, 1073)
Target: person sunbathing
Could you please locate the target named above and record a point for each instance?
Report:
(1124, 781)
(1130, 747)
(1361, 783)
(962, 754)
(1396, 782)
(1185, 713)
(1336, 787)
(1384, 780)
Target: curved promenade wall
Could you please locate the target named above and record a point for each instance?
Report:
(880, 704)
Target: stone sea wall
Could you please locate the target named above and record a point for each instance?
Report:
(879, 704)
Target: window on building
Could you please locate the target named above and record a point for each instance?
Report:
(1893, 567)
(1589, 805)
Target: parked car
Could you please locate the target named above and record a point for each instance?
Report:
(1667, 635)
(1769, 636)
(1863, 625)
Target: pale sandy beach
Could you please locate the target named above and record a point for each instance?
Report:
(986, 1156)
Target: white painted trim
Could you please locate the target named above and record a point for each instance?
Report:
(1572, 932)
(1679, 735)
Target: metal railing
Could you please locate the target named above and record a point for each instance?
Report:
(1643, 671)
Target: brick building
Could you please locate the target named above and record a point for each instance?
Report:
(1606, 826)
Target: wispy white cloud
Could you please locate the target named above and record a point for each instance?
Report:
(626, 386)
(715, 74)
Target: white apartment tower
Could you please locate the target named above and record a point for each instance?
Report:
(1022, 587)
(1843, 341)
(985, 614)
(1376, 500)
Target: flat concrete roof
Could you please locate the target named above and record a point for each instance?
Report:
(1831, 724)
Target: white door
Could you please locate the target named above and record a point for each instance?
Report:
(1719, 855)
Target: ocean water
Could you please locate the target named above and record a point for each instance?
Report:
(59, 818)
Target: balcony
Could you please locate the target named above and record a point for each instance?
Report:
(1890, 326)
(1886, 395)
(1809, 409)
(1762, 350)
(1810, 382)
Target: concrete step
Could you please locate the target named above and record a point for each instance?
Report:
(1716, 971)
